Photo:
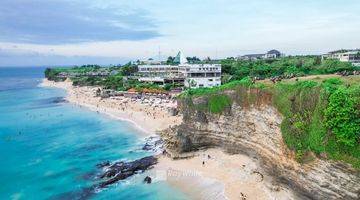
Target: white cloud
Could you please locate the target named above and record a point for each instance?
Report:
(225, 28)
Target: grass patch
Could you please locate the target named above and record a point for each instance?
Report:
(214, 90)
(218, 103)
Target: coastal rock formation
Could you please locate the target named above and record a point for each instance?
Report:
(122, 170)
(254, 130)
(112, 173)
(154, 144)
(147, 180)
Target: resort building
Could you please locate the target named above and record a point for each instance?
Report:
(160, 74)
(352, 56)
(201, 75)
(251, 57)
(272, 54)
(188, 75)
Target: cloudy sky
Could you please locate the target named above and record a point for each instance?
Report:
(68, 32)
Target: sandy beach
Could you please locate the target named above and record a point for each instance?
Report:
(214, 174)
(148, 119)
(209, 174)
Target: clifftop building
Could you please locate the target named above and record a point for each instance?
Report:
(189, 75)
(272, 54)
(352, 56)
(201, 75)
(161, 74)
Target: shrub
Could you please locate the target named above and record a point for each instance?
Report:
(343, 117)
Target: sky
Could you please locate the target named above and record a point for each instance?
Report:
(75, 32)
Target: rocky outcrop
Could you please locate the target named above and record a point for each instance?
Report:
(255, 131)
(112, 173)
(122, 170)
(153, 144)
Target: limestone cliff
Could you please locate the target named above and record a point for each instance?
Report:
(254, 129)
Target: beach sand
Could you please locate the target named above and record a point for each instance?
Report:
(222, 176)
(149, 119)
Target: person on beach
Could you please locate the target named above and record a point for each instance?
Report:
(243, 196)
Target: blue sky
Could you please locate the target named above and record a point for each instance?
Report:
(64, 32)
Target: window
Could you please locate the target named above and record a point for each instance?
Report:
(197, 75)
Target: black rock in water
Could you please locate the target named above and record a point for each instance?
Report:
(147, 147)
(147, 180)
(122, 170)
(154, 144)
(59, 100)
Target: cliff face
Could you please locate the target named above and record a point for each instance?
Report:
(254, 130)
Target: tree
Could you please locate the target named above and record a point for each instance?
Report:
(225, 78)
(299, 63)
(167, 87)
(193, 59)
(358, 54)
(114, 82)
(170, 60)
(317, 61)
(191, 83)
(226, 65)
(128, 69)
(51, 74)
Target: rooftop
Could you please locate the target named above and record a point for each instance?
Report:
(274, 51)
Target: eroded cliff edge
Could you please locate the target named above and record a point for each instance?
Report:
(254, 129)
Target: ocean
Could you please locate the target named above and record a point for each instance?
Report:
(49, 148)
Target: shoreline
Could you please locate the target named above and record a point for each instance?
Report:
(146, 119)
(208, 174)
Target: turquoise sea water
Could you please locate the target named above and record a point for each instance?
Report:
(49, 150)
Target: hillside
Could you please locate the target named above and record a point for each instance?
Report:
(305, 133)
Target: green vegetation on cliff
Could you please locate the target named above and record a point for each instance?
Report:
(286, 66)
(320, 115)
(217, 103)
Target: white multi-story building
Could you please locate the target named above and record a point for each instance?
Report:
(272, 54)
(190, 75)
(160, 74)
(201, 75)
(352, 56)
